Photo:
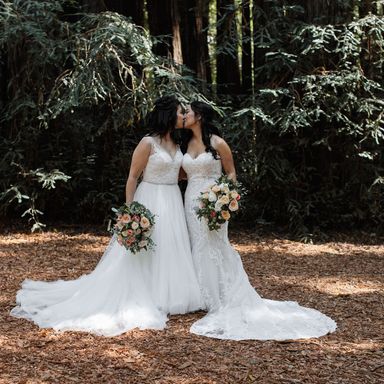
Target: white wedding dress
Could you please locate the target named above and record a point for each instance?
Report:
(127, 290)
(235, 310)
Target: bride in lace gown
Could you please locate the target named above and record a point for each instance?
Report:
(127, 290)
(235, 310)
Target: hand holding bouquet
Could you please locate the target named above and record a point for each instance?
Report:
(219, 202)
(133, 227)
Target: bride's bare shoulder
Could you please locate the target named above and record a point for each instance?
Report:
(218, 142)
(145, 144)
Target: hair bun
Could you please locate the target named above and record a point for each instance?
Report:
(166, 102)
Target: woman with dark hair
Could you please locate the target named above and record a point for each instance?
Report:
(235, 310)
(128, 290)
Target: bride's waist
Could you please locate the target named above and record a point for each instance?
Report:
(202, 178)
(160, 182)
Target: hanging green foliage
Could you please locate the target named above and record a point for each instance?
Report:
(76, 96)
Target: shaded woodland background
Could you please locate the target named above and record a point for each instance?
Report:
(297, 85)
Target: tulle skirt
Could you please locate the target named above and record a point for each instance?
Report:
(125, 290)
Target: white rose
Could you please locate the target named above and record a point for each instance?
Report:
(234, 194)
(224, 187)
(218, 206)
(212, 196)
(134, 225)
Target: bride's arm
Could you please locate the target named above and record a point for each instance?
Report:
(139, 161)
(225, 153)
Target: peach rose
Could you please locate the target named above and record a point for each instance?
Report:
(216, 188)
(144, 222)
(224, 199)
(225, 215)
(125, 218)
(233, 206)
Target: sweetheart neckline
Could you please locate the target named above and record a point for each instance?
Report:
(195, 158)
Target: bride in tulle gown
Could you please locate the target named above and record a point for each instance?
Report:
(128, 290)
(235, 310)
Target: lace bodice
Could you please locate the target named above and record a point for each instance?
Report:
(204, 166)
(161, 167)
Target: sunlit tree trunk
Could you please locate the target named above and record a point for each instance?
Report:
(246, 58)
(259, 20)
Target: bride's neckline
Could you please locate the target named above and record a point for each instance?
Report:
(196, 157)
(166, 151)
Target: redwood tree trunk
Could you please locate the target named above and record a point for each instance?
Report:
(228, 74)
(176, 35)
(203, 68)
(160, 23)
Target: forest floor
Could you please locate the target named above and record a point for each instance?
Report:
(342, 277)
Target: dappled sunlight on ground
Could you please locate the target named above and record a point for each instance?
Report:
(343, 279)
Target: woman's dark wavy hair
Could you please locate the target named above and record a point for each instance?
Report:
(207, 114)
(162, 119)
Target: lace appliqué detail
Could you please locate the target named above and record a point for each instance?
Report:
(161, 167)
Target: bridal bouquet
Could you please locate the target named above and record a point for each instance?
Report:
(219, 202)
(133, 227)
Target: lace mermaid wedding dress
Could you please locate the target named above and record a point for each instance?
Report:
(235, 310)
(127, 290)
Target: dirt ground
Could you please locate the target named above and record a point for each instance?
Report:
(343, 277)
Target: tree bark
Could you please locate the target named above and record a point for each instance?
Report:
(228, 73)
(201, 25)
(159, 20)
(176, 36)
(188, 33)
